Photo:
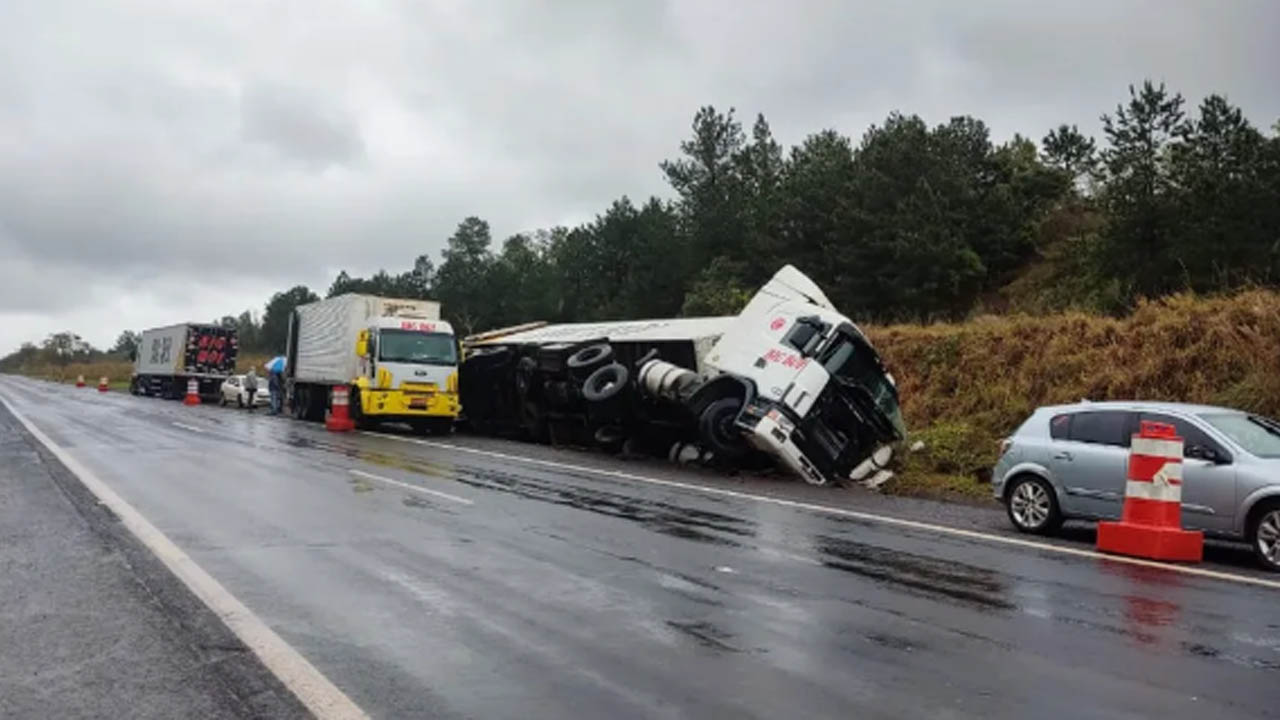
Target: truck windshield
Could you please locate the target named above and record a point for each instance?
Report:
(853, 362)
(408, 346)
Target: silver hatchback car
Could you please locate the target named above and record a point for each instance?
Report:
(1070, 461)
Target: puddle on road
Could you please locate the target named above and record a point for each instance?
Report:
(685, 523)
(706, 635)
(972, 585)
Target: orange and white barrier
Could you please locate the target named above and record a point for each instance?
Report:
(79, 381)
(193, 393)
(102, 384)
(1151, 524)
(339, 419)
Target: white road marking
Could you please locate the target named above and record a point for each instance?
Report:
(408, 486)
(316, 692)
(185, 426)
(855, 514)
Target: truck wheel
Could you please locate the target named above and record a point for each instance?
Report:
(605, 382)
(589, 359)
(524, 375)
(716, 428)
(300, 398)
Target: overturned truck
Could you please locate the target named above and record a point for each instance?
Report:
(789, 379)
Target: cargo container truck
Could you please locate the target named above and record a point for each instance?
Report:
(398, 357)
(168, 357)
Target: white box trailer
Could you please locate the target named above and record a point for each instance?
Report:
(700, 334)
(168, 357)
(326, 333)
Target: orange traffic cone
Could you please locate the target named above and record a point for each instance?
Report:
(339, 419)
(79, 381)
(102, 384)
(193, 393)
(1151, 523)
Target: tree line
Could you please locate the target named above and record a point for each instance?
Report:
(910, 223)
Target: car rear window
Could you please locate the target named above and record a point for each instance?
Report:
(1060, 427)
(1101, 427)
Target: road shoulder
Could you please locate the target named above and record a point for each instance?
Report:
(93, 624)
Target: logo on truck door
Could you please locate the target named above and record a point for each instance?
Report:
(777, 324)
(161, 350)
(786, 359)
(419, 326)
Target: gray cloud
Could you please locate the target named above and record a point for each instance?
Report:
(147, 151)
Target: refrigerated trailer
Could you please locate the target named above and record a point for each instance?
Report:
(168, 357)
(789, 378)
(398, 358)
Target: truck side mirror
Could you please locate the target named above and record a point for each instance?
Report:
(362, 343)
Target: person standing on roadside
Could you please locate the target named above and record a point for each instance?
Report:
(251, 388)
(275, 384)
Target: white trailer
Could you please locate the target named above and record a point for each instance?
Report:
(789, 376)
(168, 357)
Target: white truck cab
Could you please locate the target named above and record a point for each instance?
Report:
(818, 397)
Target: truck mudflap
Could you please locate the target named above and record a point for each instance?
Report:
(843, 433)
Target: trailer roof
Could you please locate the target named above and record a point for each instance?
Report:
(635, 330)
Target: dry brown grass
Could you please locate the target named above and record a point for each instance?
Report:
(117, 372)
(965, 386)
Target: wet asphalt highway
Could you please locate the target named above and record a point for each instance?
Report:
(427, 582)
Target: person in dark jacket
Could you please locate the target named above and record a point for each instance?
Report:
(275, 384)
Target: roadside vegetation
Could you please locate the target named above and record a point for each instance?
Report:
(965, 386)
(994, 276)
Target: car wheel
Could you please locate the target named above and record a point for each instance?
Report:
(1033, 507)
(222, 399)
(1264, 535)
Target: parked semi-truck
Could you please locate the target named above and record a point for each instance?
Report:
(790, 377)
(399, 359)
(168, 357)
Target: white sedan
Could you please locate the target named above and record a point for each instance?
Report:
(233, 391)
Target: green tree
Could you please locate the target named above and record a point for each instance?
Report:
(127, 344)
(717, 290)
(275, 319)
(1139, 197)
(709, 185)
(761, 168)
(815, 223)
(461, 281)
(1071, 152)
(1226, 229)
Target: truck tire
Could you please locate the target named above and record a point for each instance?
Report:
(301, 403)
(524, 375)
(589, 359)
(716, 428)
(605, 383)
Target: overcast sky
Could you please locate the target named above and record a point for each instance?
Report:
(172, 160)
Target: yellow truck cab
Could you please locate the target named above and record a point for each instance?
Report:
(399, 359)
(408, 371)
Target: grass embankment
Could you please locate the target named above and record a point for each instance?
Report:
(117, 372)
(966, 386)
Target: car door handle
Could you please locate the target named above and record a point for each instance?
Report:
(1064, 455)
